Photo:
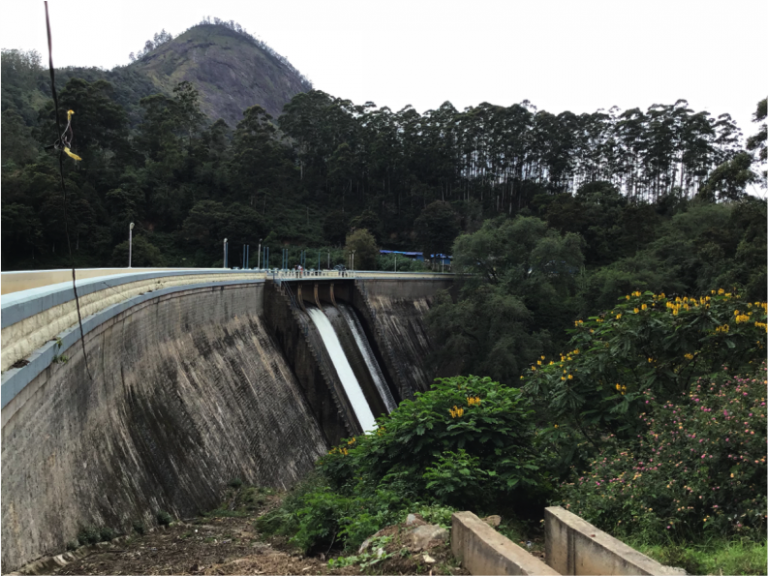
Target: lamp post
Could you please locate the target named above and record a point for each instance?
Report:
(259, 263)
(225, 253)
(130, 243)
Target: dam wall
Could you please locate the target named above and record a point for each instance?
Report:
(189, 391)
(198, 377)
(394, 310)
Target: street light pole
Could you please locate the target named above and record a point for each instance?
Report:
(225, 253)
(130, 244)
(259, 264)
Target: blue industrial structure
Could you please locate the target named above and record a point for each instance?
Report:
(437, 258)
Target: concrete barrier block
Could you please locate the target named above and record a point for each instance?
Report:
(482, 550)
(574, 546)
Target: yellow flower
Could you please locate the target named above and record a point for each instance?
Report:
(644, 307)
(618, 316)
(636, 311)
(721, 291)
(69, 114)
(538, 362)
(556, 426)
(570, 376)
(689, 356)
(71, 155)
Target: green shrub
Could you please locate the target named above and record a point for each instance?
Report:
(696, 469)
(461, 421)
(318, 517)
(648, 342)
(106, 534)
(468, 442)
(88, 535)
(72, 545)
(163, 518)
(138, 527)
(235, 483)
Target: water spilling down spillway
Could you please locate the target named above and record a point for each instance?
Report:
(362, 379)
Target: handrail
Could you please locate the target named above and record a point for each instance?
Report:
(307, 274)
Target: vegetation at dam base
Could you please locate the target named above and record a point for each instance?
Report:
(651, 426)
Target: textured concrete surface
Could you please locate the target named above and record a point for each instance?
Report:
(482, 550)
(574, 546)
(397, 310)
(189, 391)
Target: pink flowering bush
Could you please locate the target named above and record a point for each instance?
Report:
(696, 467)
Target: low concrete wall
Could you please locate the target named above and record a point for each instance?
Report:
(574, 546)
(482, 550)
(188, 392)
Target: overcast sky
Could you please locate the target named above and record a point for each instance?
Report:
(577, 55)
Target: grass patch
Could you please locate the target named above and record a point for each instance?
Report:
(714, 557)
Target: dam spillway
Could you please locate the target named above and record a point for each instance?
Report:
(199, 377)
(354, 392)
(364, 346)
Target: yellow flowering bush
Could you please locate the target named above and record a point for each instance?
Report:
(469, 424)
(649, 343)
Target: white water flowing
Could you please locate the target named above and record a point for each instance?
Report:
(344, 370)
(370, 360)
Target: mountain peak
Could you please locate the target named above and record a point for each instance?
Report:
(231, 70)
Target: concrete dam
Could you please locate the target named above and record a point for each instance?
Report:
(193, 378)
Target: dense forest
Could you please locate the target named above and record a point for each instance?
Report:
(654, 197)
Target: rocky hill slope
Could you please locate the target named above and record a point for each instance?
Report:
(230, 70)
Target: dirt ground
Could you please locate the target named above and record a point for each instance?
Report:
(222, 544)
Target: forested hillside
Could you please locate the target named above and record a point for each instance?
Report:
(627, 184)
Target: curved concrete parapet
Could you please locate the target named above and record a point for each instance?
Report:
(34, 316)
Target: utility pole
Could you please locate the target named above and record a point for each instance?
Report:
(225, 252)
(353, 259)
(130, 243)
(259, 264)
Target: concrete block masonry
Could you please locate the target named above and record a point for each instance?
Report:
(574, 546)
(482, 550)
